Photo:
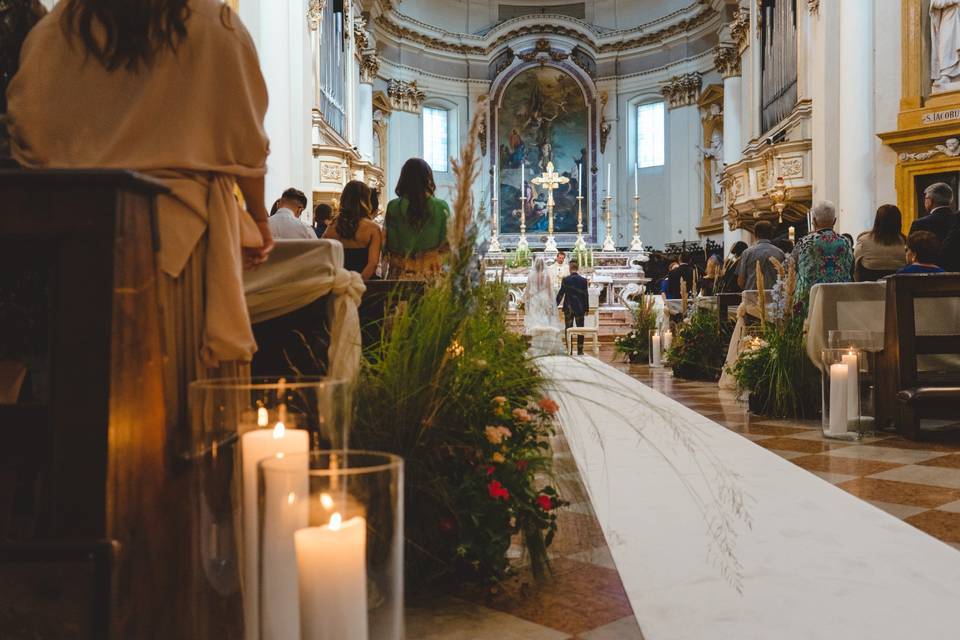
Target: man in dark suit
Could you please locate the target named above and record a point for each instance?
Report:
(575, 299)
(940, 217)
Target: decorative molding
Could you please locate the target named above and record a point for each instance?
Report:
(950, 148)
(542, 26)
(331, 172)
(315, 13)
(727, 61)
(682, 90)
(740, 27)
(605, 128)
(790, 168)
(584, 60)
(360, 37)
(405, 96)
(813, 6)
(369, 66)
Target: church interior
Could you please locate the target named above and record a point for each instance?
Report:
(479, 319)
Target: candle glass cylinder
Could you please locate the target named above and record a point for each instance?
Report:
(656, 348)
(843, 394)
(234, 424)
(331, 546)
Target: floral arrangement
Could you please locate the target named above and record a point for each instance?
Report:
(773, 366)
(699, 346)
(635, 346)
(451, 390)
(518, 259)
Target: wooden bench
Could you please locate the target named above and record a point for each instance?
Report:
(906, 394)
(724, 302)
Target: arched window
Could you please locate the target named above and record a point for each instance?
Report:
(436, 138)
(650, 137)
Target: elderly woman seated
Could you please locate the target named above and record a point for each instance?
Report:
(822, 256)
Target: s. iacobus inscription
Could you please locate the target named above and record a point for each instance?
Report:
(941, 116)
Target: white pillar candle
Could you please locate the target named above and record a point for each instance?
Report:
(838, 399)
(608, 178)
(636, 171)
(580, 179)
(655, 349)
(286, 502)
(255, 446)
(333, 579)
(522, 181)
(853, 384)
(792, 233)
(667, 340)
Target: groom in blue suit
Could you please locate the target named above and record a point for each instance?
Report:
(575, 298)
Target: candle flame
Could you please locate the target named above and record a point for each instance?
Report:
(263, 418)
(291, 497)
(280, 456)
(326, 501)
(278, 431)
(335, 520)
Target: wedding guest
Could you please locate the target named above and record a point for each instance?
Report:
(374, 203)
(709, 280)
(880, 251)
(683, 271)
(760, 253)
(416, 225)
(322, 217)
(824, 255)
(574, 297)
(923, 250)
(731, 267)
(665, 282)
(359, 234)
(17, 17)
(940, 217)
(784, 244)
(286, 223)
(94, 89)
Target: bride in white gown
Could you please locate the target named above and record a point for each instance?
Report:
(541, 321)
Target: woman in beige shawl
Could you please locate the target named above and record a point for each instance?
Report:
(172, 89)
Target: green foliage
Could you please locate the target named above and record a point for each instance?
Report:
(636, 344)
(444, 375)
(699, 346)
(775, 369)
(518, 259)
(584, 257)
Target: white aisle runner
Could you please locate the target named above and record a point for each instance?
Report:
(814, 562)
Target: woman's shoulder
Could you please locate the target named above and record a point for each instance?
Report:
(217, 19)
(439, 204)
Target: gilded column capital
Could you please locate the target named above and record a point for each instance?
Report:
(740, 27)
(315, 13)
(360, 37)
(727, 61)
(682, 90)
(813, 6)
(405, 96)
(369, 66)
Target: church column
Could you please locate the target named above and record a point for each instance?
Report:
(683, 133)
(369, 66)
(727, 61)
(406, 100)
(856, 144)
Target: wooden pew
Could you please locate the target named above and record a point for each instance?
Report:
(724, 302)
(86, 450)
(905, 394)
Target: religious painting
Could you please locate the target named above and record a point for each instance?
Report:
(542, 118)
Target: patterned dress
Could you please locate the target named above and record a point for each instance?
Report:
(822, 256)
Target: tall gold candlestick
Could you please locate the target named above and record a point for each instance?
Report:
(608, 244)
(580, 245)
(522, 242)
(494, 227)
(636, 244)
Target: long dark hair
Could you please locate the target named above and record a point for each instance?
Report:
(354, 207)
(416, 185)
(887, 224)
(134, 31)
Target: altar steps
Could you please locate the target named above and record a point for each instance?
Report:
(613, 322)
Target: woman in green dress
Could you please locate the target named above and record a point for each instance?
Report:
(416, 225)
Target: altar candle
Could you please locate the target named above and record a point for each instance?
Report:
(333, 579)
(255, 446)
(608, 178)
(286, 510)
(838, 399)
(853, 384)
(522, 181)
(792, 233)
(655, 348)
(580, 179)
(667, 340)
(636, 171)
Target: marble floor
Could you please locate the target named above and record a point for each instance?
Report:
(585, 598)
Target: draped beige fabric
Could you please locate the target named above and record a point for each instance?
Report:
(194, 120)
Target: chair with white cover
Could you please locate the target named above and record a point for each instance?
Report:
(591, 322)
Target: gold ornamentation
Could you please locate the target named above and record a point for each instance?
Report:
(315, 13)
(740, 27)
(605, 128)
(369, 67)
(790, 167)
(360, 37)
(950, 148)
(813, 6)
(682, 90)
(405, 96)
(727, 61)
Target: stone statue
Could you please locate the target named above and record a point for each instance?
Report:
(945, 44)
(714, 154)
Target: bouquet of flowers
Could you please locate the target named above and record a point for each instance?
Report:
(635, 346)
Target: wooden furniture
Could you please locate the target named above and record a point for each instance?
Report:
(86, 454)
(724, 302)
(905, 394)
(591, 323)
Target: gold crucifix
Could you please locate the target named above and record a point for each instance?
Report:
(550, 180)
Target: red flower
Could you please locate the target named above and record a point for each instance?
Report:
(548, 405)
(447, 525)
(522, 465)
(497, 490)
(545, 502)
(490, 470)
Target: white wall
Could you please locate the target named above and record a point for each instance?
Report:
(887, 72)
